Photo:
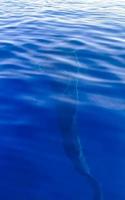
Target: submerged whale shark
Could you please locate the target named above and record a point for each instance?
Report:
(71, 139)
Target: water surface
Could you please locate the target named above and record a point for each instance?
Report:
(62, 78)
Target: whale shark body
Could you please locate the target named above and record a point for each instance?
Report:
(71, 139)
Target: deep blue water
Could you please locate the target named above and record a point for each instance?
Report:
(62, 99)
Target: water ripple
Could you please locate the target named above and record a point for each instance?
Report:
(62, 66)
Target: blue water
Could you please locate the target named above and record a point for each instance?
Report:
(62, 99)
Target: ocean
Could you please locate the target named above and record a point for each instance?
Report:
(62, 100)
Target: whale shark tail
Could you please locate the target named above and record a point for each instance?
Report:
(74, 151)
(97, 193)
